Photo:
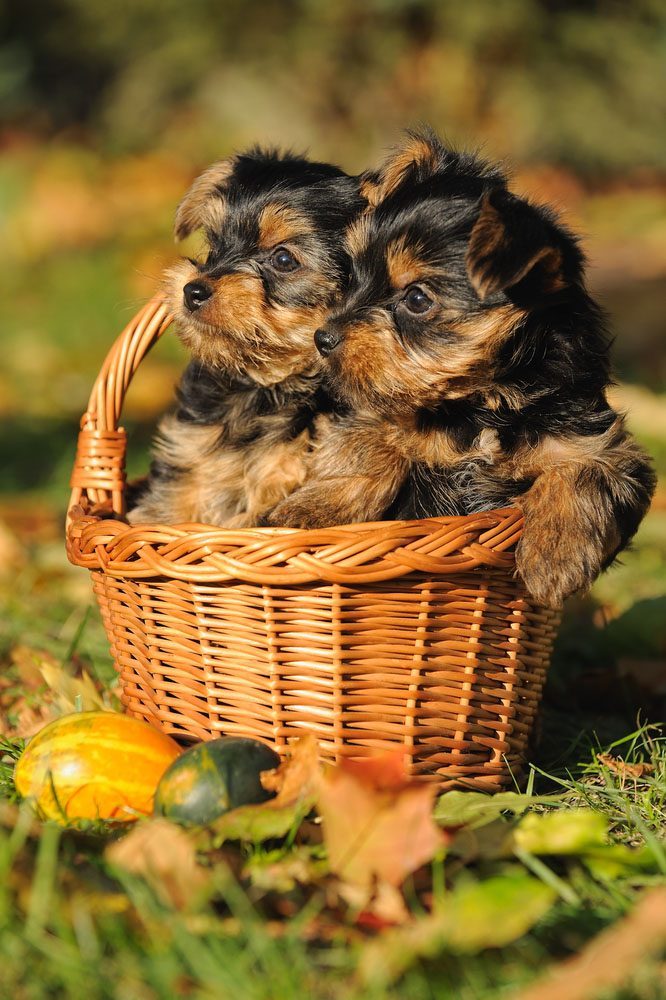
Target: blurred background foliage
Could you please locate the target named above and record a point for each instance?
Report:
(107, 111)
(575, 83)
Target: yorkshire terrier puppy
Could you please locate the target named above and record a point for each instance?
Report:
(475, 363)
(273, 225)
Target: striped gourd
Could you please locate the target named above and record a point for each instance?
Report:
(94, 765)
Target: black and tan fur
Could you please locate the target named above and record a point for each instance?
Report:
(476, 365)
(236, 445)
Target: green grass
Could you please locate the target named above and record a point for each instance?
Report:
(68, 928)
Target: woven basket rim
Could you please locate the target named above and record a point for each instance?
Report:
(103, 514)
(355, 553)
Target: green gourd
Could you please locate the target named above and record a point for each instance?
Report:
(213, 777)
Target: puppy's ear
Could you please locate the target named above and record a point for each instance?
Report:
(510, 240)
(418, 158)
(201, 201)
(370, 187)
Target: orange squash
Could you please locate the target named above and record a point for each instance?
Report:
(94, 765)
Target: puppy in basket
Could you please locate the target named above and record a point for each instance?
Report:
(476, 364)
(236, 445)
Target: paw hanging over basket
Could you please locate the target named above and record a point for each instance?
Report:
(411, 635)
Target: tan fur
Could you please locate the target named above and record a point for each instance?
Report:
(203, 201)
(237, 329)
(499, 396)
(376, 455)
(237, 303)
(371, 361)
(566, 539)
(213, 214)
(578, 493)
(218, 485)
(489, 330)
(209, 487)
(570, 531)
(553, 452)
(436, 447)
(273, 472)
(233, 472)
(372, 475)
(279, 223)
(417, 152)
(370, 189)
(356, 237)
(403, 264)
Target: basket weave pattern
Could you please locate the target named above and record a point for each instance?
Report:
(411, 634)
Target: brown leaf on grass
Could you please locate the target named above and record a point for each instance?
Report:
(71, 694)
(165, 856)
(622, 768)
(29, 720)
(284, 872)
(377, 908)
(611, 958)
(45, 691)
(295, 782)
(378, 825)
(474, 916)
(297, 775)
(27, 662)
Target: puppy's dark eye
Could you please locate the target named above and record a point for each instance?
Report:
(283, 260)
(417, 301)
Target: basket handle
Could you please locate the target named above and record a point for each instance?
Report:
(99, 467)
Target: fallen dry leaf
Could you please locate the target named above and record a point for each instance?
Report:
(622, 768)
(283, 873)
(29, 719)
(473, 917)
(383, 906)
(27, 662)
(610, 958)
(294, 781)
(164, 855)
(297, 775)
(45, 691)
(378, 825)
(71, 694)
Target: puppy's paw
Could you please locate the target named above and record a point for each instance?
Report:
(244, 520)
(309, 507)
(297, 512)
(555, 563)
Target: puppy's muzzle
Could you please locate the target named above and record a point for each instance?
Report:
(326, 341)
(195, 294)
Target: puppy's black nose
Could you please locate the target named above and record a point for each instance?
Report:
(195, 294)
(326, 341)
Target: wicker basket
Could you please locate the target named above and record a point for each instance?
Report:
(398, 634)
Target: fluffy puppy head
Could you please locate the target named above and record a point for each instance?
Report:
(458, 288)
(275, 262)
